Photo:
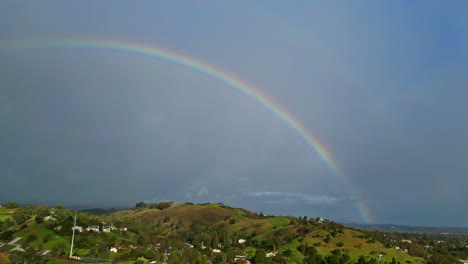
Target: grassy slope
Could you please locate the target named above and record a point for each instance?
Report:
(5, 213)
(41, 232)
(214, 214)
(209, 215)
(357, 246)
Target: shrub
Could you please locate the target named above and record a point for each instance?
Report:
(31, 238)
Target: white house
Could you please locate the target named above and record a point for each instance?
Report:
(237, 257)
(93, 228)
(79, 228)
(123, 229)
(241, 241)
(113, 249)
(271, 254)
(50, 218)
(406, 241)
(216, 250)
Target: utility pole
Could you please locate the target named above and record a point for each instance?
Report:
(380, 254)
(73, 237)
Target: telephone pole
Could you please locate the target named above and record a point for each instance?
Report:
(380, 254)
(73, 237)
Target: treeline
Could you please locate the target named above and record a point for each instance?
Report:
(160, 205)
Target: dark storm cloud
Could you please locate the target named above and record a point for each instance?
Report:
(381, 85)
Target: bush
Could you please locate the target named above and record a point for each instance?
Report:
(11, 205)
(232, 221)
(31, 238)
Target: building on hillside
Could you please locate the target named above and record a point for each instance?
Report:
(216, 250)
(239, 257)
(241, 241)
(108, 229)
(50, 218)
(79, 228)
(123, 229)
(93, 228)
(271, 254)
(406, 241)
(113, 249)
(133, 246)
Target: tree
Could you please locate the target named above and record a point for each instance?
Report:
(11, 205)
(21, 215)
(260, 256)
(59, 249)
(29, 256)
(361, 260)
(31, 238)
(215, 240)
(140, 205)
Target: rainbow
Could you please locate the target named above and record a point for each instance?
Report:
(204, 68)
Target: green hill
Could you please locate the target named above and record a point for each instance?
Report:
(192, 232)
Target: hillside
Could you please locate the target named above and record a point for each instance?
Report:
(196, 232)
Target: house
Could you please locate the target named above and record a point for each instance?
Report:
(189, 245)
(113, 249)
(241, 241)
(93, 228)
(216, 250)
(119, 246)
(133, 246)
(238, 257)
(123, 229)
(79, 228)
(50, 218)
(406, 241)
(271, 254)
(108, 229)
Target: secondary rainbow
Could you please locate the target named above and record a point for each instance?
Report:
(202, 67)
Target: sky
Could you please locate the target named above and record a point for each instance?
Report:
(381, 86)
